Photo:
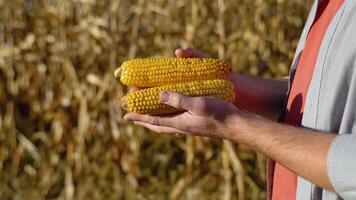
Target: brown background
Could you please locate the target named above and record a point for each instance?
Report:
(61, 135)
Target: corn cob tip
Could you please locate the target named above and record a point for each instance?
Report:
(118, 72)
(122, 103)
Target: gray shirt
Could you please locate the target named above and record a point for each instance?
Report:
(331, 102)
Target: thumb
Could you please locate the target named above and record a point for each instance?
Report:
(176, 100)
(188, 53)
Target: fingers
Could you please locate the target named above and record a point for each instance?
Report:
(133, 88)
(177, 100)
(196, 105)
(154, 120)
(159, 129)
(188, 53)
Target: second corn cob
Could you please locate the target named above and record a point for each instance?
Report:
(150, 72)
(146, 101)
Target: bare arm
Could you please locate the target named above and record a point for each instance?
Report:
(301, 150)
(261, 96)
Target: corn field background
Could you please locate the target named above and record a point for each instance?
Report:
(63, 137)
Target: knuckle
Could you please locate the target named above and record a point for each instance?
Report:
(155, 121)
(183, 124)
(177, 101)
(203, 105)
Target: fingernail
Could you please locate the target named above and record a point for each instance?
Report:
(164, 97)
(178, 53)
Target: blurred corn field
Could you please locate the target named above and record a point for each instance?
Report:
(63, 137)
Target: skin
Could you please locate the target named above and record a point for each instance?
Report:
(300, 150)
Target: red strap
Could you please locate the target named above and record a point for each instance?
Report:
(285, 181)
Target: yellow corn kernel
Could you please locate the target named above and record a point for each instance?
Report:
(146, 101)
(150, 72)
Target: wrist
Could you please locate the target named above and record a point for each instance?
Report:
(240, 128)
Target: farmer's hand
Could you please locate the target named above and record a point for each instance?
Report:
(188, 53)
(205, 116)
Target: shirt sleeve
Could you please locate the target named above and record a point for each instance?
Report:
(341, 165)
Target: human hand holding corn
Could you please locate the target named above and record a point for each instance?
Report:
(201, 115)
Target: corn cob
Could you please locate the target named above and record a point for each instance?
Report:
(146, 101)
(150, 72)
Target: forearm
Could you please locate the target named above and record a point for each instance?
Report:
(302, 151)
(260, 96)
